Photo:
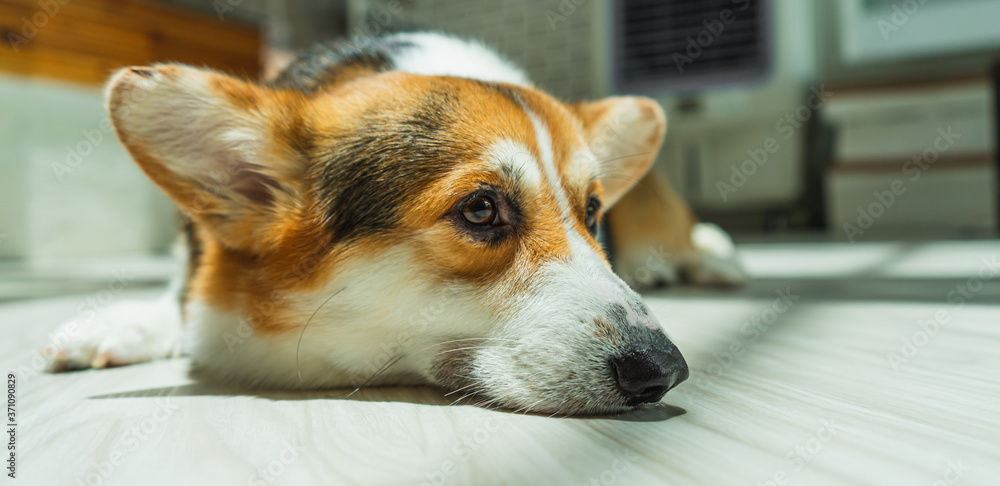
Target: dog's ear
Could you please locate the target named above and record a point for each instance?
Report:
(205, 138)
(625, 134)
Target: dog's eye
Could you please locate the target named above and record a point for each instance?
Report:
(593, 208)
(480, 211)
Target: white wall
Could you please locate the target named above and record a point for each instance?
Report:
(54, 205)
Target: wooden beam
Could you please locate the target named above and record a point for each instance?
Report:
(83, 41)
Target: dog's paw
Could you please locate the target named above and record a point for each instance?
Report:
(714, 261)
(124, 333)
(647, 269)
(710, 261)
(710, 270)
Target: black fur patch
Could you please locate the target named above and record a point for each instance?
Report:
(639, 308)
(504, 90)
(618, 315)
(366, 175)
(194, 247)
(328, 62)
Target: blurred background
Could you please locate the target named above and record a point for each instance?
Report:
(790, 120)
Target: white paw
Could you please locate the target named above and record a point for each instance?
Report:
(124, 333)
(711, 270)
(715, 261)
(647, 269)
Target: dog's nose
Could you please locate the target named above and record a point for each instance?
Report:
(645, 373)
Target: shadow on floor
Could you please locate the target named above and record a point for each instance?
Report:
(420, 395)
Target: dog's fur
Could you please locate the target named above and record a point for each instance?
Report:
(327, 246)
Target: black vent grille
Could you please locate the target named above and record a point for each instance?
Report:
(664, 46)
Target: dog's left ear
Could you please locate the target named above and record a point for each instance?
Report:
(625, 134)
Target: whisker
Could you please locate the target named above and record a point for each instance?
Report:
(601, 163)
(460, 389)
(613, 176)
(467, 395)
(486, 403)
(381, 370)
(303, 333)
(540, 400)
(460, 349)
(491, 405)
(463, 397)
(469, 339)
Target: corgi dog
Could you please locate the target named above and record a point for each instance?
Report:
(407, 209)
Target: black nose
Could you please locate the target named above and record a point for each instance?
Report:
(645, 373)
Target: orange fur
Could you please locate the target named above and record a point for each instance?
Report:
(652, 215)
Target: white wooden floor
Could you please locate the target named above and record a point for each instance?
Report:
(813, 399)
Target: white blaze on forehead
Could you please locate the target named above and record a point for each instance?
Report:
(507, 154)
(544, 139)
(583, 165)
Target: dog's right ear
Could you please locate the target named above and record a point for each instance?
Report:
(206, 139)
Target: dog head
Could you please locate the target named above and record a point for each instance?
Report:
(397, 227)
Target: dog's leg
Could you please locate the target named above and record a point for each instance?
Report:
(127, 332)
(658, 241)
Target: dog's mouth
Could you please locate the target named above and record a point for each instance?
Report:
(512, 376)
